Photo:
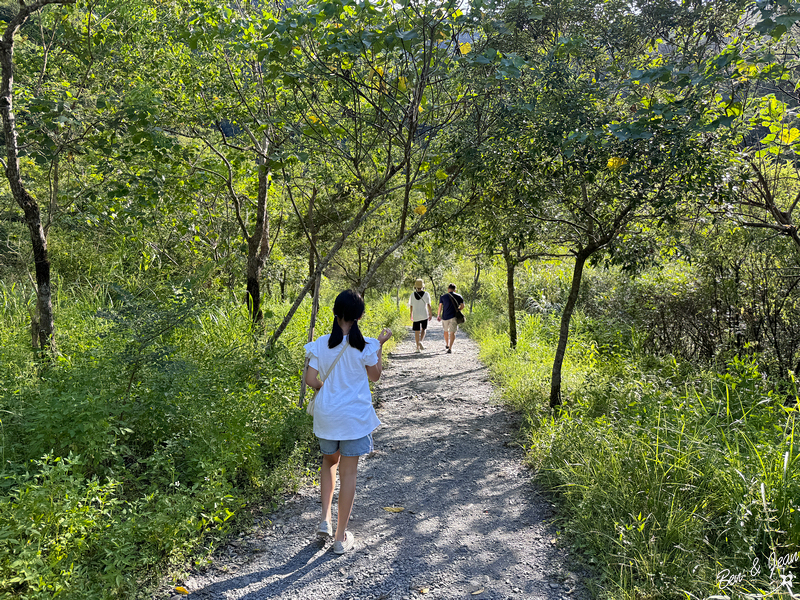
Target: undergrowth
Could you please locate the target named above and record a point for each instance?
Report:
(676, 483)
(159, 421)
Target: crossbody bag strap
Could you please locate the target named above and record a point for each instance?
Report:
(453, 300)
(338, 356)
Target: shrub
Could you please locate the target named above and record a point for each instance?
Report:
(667, 474)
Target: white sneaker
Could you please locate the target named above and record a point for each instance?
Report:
(345, 545)
(324, 531)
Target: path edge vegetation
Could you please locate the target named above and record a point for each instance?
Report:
(148, 380)
(162, 430)
(668, 480)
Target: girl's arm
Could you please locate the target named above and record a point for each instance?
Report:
(374, 372)
(311, 378)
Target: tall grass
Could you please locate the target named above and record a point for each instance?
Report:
(141, 442)
(672, 480)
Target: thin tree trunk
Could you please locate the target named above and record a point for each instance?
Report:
(258, 247)
(43, 323)
(312, 232)
(475, 286)
(317, 282)
(253, 288)
(511, 266)
(311, 326)
(566, 316)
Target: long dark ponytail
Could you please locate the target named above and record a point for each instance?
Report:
(349, 306)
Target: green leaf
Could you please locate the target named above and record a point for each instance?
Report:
(788, 19)
(764, 26)
(778, 31)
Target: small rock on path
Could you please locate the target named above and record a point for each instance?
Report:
(473, 525)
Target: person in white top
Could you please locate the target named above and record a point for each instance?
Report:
(420, 304)
(344, 417)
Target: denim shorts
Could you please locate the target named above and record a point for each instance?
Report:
(358, 447)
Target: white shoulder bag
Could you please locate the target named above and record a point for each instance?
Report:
(323, 377)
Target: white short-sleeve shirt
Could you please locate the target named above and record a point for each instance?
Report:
(343, 408)
(418, 310)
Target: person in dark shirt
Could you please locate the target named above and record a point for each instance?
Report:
(448, 304)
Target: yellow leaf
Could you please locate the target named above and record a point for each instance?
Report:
(420, 108)
(182, 590)
(475, 593)
(615, 163)
(313, 119)
(465, 48)
(789, 135)
(424, 591)
(393, 509)
(420, 210)
(402, 84)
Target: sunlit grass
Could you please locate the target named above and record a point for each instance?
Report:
(159, 441)
(666, 476)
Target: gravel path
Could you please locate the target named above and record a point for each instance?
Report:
(473, 526)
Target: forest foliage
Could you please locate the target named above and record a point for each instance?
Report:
(612, 185)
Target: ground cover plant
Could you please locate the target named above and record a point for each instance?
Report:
(180, 176)
(161, 419)
(675, 480)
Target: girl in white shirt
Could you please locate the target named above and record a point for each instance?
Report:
(344, 417)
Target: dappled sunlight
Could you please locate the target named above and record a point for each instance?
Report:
(443, 502)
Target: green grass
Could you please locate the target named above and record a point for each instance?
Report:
(666, 476)
(141, 443)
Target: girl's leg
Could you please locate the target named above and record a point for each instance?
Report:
(347, 493)
(327, 481)
(416, 337)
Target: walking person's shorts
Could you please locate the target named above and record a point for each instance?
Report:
(450, 325)
(358, 447)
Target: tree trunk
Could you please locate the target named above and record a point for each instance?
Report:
(43, 323)
(312, 233)
(258, 247)
(311, 326)
(253, 288)
(566, 317)
(511, 266)
(475, 286)
(312, 251)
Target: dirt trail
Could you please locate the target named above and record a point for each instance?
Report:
(473, 526)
